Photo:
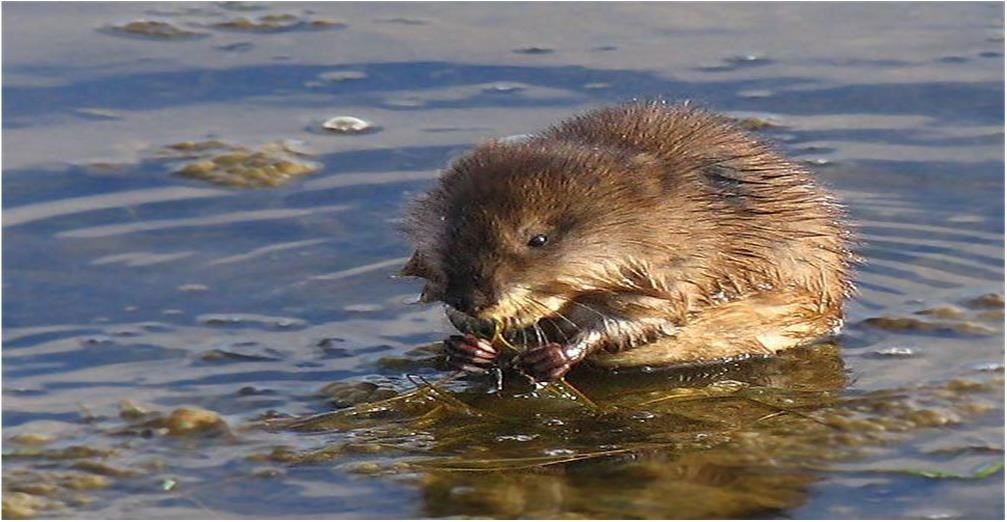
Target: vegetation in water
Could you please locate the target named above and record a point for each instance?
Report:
(220, 163)
(745, 438)
(44, 476)
(173, 21)
(749, 437)
(153, 30)
(986, 312)
(276, 23)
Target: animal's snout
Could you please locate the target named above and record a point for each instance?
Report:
(470, 301)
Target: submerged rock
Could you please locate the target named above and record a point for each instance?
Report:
(101, 468)
(198, 146)
(33, 493)
(912, 324)
(181, 422)
(153, 29)
(326, 23)
(365, 468)
(534, 50)
(193, 421)
(128, 410)
(216, 162)
(942, 312)
(986, 301)
(265, 23)
(345, 394)
(31, 439)
(277, 22)
(20, 505)
(81, 481)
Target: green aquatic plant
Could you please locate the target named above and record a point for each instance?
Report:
(986, 470)
(220, 163)
(740, 439)
(152, 29)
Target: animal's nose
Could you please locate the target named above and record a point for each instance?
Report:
(470, 303)
(457, 302)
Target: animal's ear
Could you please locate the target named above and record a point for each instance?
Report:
(415, 267)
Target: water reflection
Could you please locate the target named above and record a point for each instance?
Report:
(714, 441)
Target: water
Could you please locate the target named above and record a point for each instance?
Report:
(123, 281)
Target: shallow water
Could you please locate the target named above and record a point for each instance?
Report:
(123, 281)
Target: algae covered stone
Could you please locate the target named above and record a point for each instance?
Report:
(270, 165)
(191, 421)
(153, 30)
(277, 22)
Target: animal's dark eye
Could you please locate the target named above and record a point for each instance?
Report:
(538, 240)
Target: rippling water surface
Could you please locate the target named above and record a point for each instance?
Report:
(130, 292)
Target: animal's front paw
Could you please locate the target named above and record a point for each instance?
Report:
(548, 362)
(469, 353)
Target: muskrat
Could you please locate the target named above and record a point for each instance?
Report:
(637, 235)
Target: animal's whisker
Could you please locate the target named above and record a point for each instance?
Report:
(605, 318)
(539, 334)
(588, 308)
(547, 312)
(572, 323)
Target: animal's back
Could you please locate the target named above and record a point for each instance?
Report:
(637, 234)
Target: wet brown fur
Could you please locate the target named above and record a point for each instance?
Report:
(674, 237)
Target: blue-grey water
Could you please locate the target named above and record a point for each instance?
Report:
(120, 277)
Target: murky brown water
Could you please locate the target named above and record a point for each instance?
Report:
(124, 281)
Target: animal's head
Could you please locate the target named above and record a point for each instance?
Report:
(514, 232)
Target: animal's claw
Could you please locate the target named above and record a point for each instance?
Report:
(469, 353)
(547, 362)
